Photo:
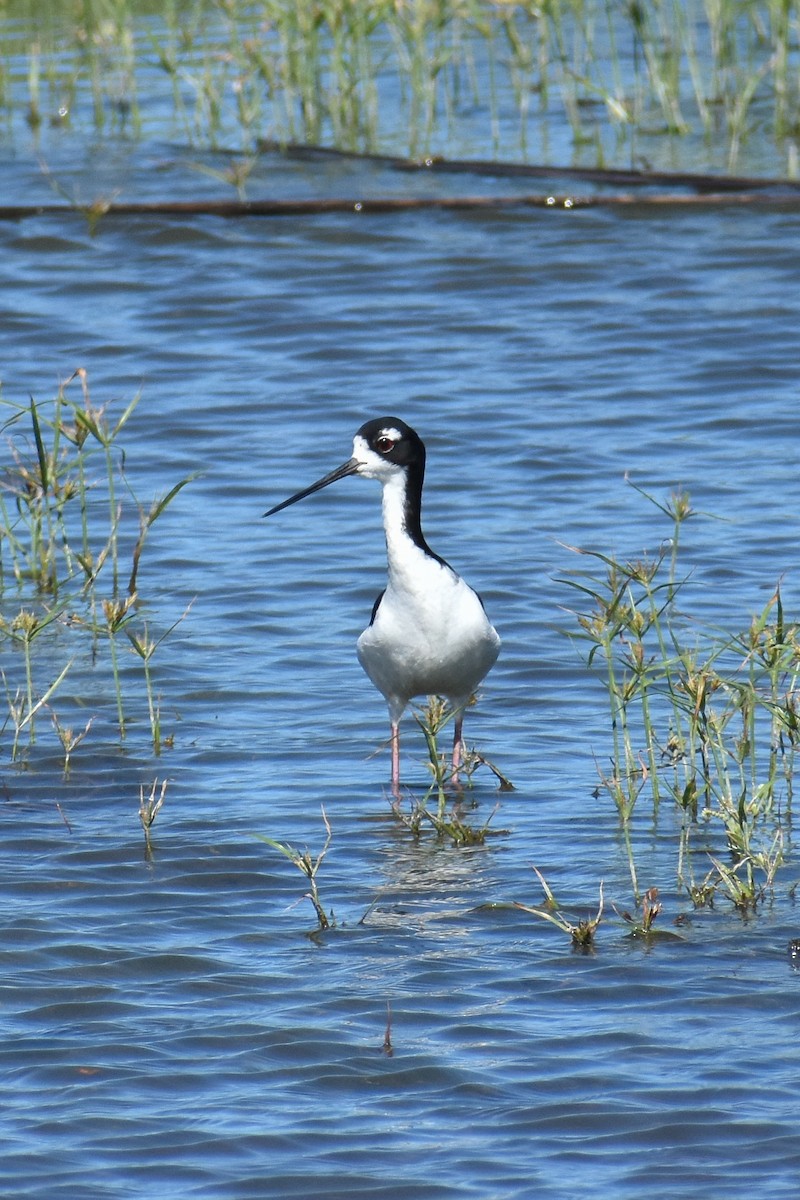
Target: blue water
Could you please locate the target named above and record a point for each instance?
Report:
(170, 1026)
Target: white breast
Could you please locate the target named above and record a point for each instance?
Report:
(430, 635)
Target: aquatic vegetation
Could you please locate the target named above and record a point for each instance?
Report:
(150, 804)
(703, 718)
(582, 933)
(434, 716)
(69, 563)
(361, 74)
(308, 866)
(642, 925)
(145, 646)
(69, 739)
(387, 1047)
(443, 807)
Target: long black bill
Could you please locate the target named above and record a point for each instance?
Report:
(348, 468)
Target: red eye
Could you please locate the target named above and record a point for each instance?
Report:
(384, 445)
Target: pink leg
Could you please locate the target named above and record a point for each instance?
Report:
(457, 744)
(396, 759)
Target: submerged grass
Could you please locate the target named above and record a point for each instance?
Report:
(308, 865)
(582, 933)
(445, 806)
(69, 566)
(150, 805)
(702, 719)
(363, 74)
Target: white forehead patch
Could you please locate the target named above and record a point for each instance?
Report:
(361, 449)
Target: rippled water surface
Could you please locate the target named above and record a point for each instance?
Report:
(170, 1027)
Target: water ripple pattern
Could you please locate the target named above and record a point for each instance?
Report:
(170, 1027)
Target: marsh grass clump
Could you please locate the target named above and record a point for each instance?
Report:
(642, 924)
(581, 933)
(309, 866)
(69, 563)
(444, 807)
(702, 718)
(70, 739)
(365, 74)
(150, 805)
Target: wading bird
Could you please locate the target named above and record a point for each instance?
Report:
(428, 634)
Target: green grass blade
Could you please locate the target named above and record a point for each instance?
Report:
(44, 473)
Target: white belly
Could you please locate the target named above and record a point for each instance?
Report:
(436, 640)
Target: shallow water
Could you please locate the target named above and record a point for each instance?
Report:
(170, 1026)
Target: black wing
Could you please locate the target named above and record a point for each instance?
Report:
(376, 606)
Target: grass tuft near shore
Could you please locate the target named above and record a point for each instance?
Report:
(72, 536)
(702, 720)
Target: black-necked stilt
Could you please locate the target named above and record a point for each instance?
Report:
(429, 633)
